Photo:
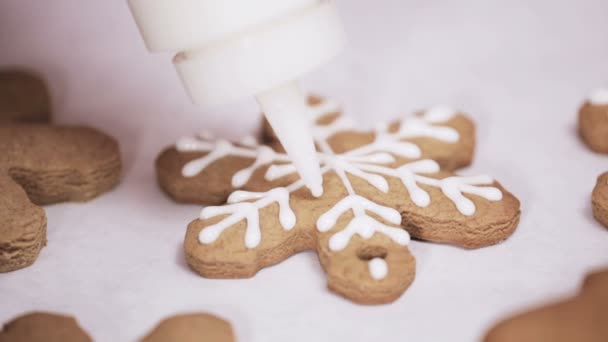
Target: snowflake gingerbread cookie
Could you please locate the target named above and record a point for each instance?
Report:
(380, 186)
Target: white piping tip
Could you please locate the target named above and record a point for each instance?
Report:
(316, 190)
(287, 112)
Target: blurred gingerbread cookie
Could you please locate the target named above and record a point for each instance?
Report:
(191, 328)
(43, 164)
(599, 199)
(380, 186)
(583, 318)
(43, 327)
(593, 121)
(23, 97)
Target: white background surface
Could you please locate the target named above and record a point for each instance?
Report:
(521, 68)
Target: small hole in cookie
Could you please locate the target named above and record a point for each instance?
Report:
(371, 252)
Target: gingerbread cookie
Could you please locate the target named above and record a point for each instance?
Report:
(23, 97)
(191, 328)
(593, 121)
(42, 164)
(599, 199)
(380, 187)
(43, 327)
(581, 318)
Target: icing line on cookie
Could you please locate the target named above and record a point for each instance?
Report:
(261, 154)
(238, 209)
(361, 224)
(452, 187)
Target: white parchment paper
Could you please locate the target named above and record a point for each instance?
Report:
(520, 68)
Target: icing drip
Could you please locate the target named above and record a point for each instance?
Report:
(238, 210)
(378, 268)
(599, 97)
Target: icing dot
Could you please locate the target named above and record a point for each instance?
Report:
(378, 268)
(599, 97)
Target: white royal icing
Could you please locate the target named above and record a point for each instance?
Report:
(452, 187)
(599, 97)
(249, 141)
(420, 127)
(439, 114)
(370, 162)
(238, 210)
(323, 108)
(266, 155)
(378, 268)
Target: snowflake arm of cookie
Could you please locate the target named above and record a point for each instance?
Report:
(261, 154)
(239, 208)
(452, 187)
(362, 224)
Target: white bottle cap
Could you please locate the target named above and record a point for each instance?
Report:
(177, 25)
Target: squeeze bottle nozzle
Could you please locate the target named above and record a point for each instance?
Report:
(228, 49)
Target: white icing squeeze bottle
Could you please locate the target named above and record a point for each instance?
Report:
(229, 49)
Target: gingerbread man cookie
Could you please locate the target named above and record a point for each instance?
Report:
(581, 318)
(43, 327)
(43, 164)
(599, 199)
(380, 186)
(191, 328)
(593, 121)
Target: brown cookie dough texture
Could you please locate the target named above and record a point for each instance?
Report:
(192, 328)
(23, 97)
(599, 199)
(43, 327)
(379, 186)
(582, 318)
(43, 164)
(593, 121)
